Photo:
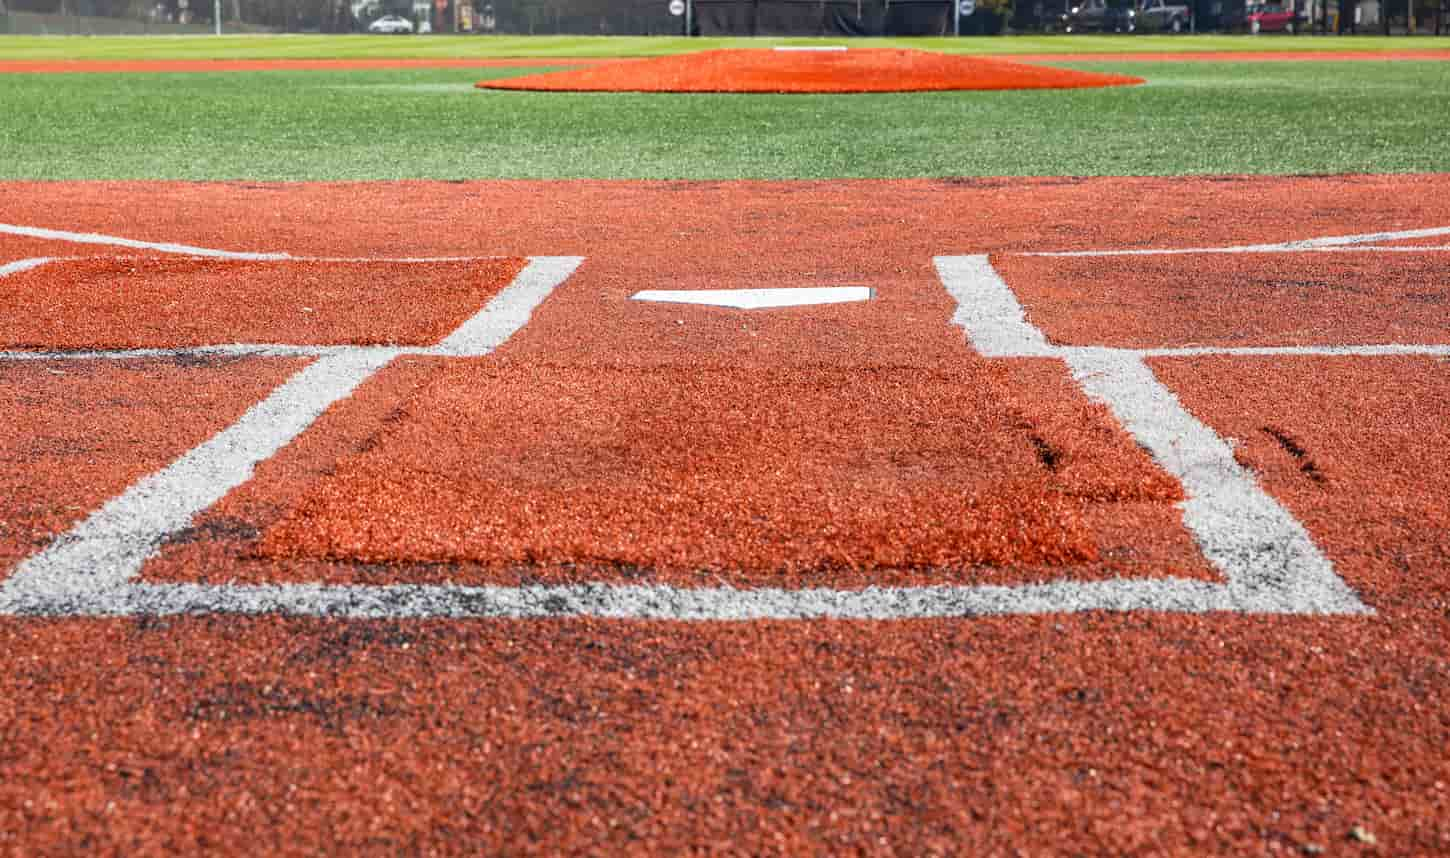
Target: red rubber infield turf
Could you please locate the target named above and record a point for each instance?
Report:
(645, 440)
(1091, 735)
(774, 71)
(1354, 447)
(1246, 299)
(750, 231)
(1087, 734)
(1098, 476)
(80, 432)
(793, 476)
(138, 302)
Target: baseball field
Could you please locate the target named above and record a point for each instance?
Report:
(394, 464)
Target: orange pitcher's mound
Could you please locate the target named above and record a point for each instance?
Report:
(854, 70)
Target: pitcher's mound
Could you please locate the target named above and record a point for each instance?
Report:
(853, 70)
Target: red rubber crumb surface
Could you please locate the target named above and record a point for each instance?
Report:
(77, 433)
(1354, 447)
(172, 66)
(1105, 735)
(131, 302)
(1247, 299)
(1094, 734)
(788, 476)
(853, 70)
(1105, 488)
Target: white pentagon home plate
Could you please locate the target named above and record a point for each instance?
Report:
(758, 299)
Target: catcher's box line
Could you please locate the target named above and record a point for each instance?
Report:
(1265, 554)
(282, 350)
(20, 265)
(107, 549)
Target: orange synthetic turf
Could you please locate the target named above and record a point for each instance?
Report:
(76, 434)
(1355, 447)
(136, 302)
(853, 70)
(1099, 734)
(1093, 734)
(1244, 299)
(1108, 489)
(791, 475)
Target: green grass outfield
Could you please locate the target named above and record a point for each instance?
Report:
(360, 46)
(1191, 118)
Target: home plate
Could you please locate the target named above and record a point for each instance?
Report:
(758, 299)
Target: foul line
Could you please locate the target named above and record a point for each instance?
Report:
(20, 265)
(1383, 350)
(159, 247)
(1341, 242)
(199, 352)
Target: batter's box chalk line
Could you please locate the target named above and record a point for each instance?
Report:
(1268, 561)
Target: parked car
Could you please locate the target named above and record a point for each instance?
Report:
(391, 24)
(1270, 18)
(1163, 15)
(1090, 15)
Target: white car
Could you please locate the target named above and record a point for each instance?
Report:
(391, 24)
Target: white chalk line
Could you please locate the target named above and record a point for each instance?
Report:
(1331, 243)
(282, 350)
(136, 244)
(100, 556)
(632, 602)
(1263, 552)
(227, 256)
(1258, 545)
(1385, 350)
(199, 353)
(511, 308)
(20, 265)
